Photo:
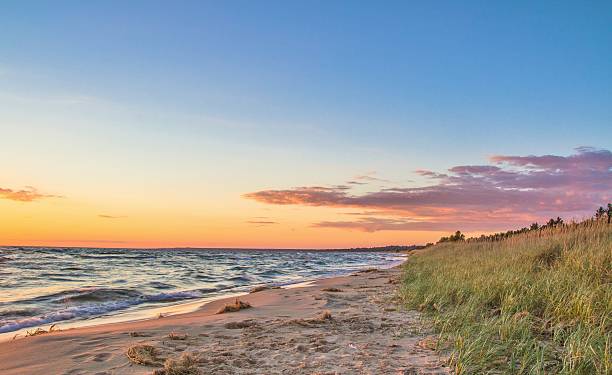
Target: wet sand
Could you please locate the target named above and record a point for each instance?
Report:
(286, 331)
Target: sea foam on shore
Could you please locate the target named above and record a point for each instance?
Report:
(49, 285)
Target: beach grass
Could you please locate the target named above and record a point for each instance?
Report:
(261, 288)
(322, 318)
(177, 336)
(143, 354)
(332, 290)
(233, 307)
(239, 325)
(186, 364)
(41, 331)
(535, 303)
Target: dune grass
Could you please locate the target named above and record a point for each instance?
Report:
(535, 303)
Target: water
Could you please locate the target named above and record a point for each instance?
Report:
(50, 285)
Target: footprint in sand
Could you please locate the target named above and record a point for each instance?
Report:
(101, 357)
(80, 356)
(93, 341)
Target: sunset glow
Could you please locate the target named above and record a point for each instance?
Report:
(223, 125)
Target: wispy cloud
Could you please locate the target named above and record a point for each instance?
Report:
(366, 178)
(511, 190)
(260, 223)
(76, 241)
(111, 216)
(67, 100)
(28, 194)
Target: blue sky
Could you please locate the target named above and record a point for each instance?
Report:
(239, 96)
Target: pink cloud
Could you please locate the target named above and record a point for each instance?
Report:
(307, 195)
(586, 158)
(373, 224)
(516, 190)
(430, 174)
(29, 194)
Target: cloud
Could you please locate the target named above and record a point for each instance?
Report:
(258, 222)
(513, 190)
(588, 158)
(62, 100)
(366, 178)
(307, 195)
(102, 216)
(373, 224)
(430, 174)
(76, 241)
(28, 194)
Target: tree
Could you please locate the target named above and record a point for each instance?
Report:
(458, 236)
(552, 223)
(600, 213)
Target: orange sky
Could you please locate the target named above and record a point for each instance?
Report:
(166, 206)
(65, 222)
(224, 124)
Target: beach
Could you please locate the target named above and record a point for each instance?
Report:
(73, 287)
(352, 324)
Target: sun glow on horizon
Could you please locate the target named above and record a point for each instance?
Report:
(233, 124)
(473, 199)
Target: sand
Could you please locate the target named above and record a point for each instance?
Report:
(343, 325)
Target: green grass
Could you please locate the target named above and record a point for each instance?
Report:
(535, 303)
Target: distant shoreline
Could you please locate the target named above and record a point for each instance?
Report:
(377, 249)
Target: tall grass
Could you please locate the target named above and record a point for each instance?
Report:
(535, 303)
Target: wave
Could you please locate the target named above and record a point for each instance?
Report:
(123, 299)
(95, 294)
(58, 284)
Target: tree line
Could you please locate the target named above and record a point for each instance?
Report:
(600, 214)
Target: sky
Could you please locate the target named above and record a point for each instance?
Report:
(299, 124)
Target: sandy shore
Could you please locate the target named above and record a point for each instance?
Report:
(286, 331)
